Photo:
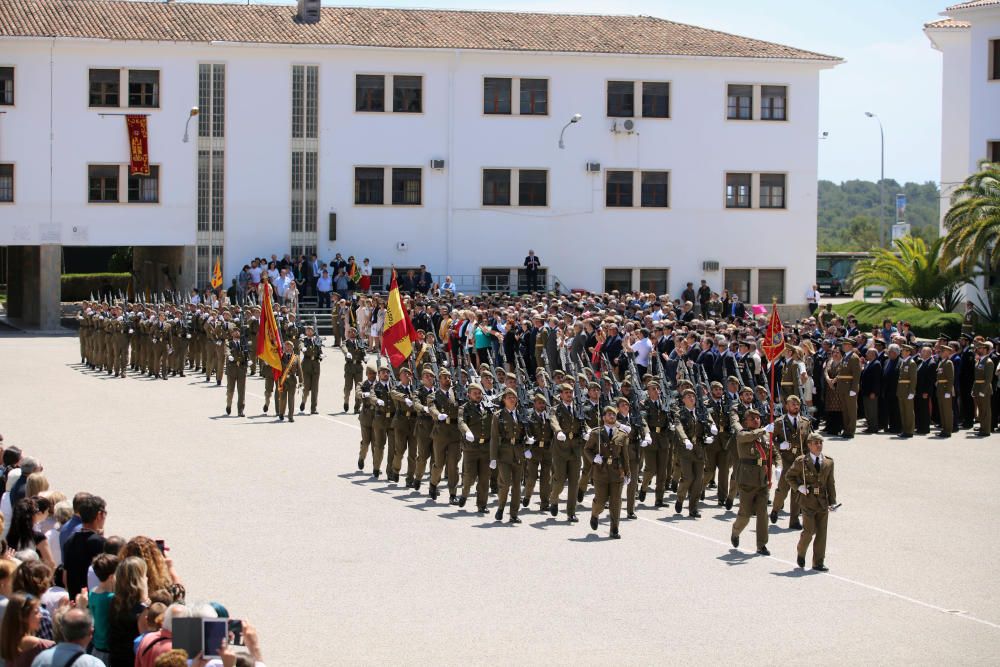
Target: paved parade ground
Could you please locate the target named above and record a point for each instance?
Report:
(273, 520)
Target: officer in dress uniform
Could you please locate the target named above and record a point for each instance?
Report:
(354, 358)
(591, 419)
(403, 423)
(312, 355)
(236, 373)
(848, 386)
(790, 432)
(367, 416)
(694, 431)
(507, 454)
(906, 391)
(754, 473)
(608, 449)
(446, 437)
(982, 387)
(717, 453)
(634, 426)
(538, 464)
(945, 389)
(566, 452)
(656, 454)
(475, 423)
(424, 425)
(812, 476)
(291, 374)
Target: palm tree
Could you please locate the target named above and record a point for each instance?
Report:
(973, 222)
(914, 272)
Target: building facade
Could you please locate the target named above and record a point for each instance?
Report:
(414, 137)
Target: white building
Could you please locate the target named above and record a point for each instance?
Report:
(969, 41)
(412, 136)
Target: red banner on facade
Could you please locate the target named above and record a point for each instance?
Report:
(138, 146)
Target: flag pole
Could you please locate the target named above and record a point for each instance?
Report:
(770, 450)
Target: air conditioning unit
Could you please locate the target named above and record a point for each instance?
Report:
(594, 167)
(710, 266)
(437, 164)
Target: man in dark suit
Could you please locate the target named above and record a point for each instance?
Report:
(737, 310)
(926, 384)
(531, 266)
(966, 374)
(612, 348)
(528, 348)
(888, 405)
(424, 280)
(871, 390)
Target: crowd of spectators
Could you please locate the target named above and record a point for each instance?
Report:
(70, 594)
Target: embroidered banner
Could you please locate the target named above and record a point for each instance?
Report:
(138, 146)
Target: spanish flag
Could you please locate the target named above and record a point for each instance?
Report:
(354, 273)
(398, 335)
(268, 336)
(217, 274)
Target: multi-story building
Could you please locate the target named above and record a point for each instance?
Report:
(411, 137)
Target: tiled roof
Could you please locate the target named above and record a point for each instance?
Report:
(947, 23)
(973, 5)
(393, 28)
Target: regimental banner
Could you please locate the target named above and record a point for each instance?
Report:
(774, 338)
(138, 145)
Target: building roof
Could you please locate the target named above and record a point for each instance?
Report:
(391, 28)
(947, 23)
(974, 4)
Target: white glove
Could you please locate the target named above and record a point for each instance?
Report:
(769, 428)
(688, 445)
(493, 464)
(628, 480)
(469, 437)
(785, 445)
(380, 402)
(803, 490)
(442, 417)
(714, 429)
(530, 440)
(231, 358)
(131, 331)
(365, 394)
(423, 408)
(560, 436)
(408, 402)
(625, 427)
(853, 393)
(981, 395)
(598, 459)
(709, 440)
(527, 453)
(218, 342)
(188, 336)
(645, 442)
(947, 395)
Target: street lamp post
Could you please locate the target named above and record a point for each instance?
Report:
(881, 183)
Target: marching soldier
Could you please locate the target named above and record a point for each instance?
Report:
(507, 450)
(790, 379)
(445, 437)
(403, 395)
(656, 453)
(945, 389)
(354, 358)
(812, 476)
(737, 412)
(566, 452)
(591, 419)
(424, 426)
(312, 355)
(367, 416)
(848, 385)
(253, 325)
(539, 453)
(383, 405)
(982, 387)
(717, 453)
(608, 449)
(754, 473)
(694, 433)
(906, 390)
(236, 373)
(475, 423)
(790, 432)
(634, 426)
(291, 373)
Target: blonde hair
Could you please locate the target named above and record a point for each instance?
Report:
(37, 483)
(130, 584)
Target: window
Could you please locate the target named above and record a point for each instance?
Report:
(6, 86)
(995, 59)
(369, 186)
(406, 187)
(305, 101)
(532, 187)
(737, 190)
(494, 280)
(772, 191)
(740, 102)
(737, 281)
(773, 102)
(534, 97)
(104, 85)
(103, 182)
(407, 94)
(653, 280)
(370, 92)
(993, 151)
(145, 189)
(618, 190)
(770, 285)
(144, 88)
(6, 183)
(618, 279)
(655, 99)
(621, 99)
(496, 187)
(654, 189)
(496, 95)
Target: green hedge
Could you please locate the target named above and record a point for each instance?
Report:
(80, 286)
(923, 323)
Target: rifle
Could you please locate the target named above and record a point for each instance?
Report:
(609, 373)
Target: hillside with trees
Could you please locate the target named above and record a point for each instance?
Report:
(849, 213)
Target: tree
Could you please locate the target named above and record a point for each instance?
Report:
(973, 221)
(913, 272)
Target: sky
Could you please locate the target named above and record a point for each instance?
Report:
(890, 69)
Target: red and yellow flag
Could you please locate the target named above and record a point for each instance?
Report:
(398, 335)
(354, 273)
(217, 274)
(268, 336)
(138, 145)
(774, 339)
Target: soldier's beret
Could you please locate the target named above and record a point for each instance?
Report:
(621, 399)
(610, 409)
(685, 383)
(814, 437)
(487, 374)
(593, 385)
(483, 367)
(985, 343)
(557, 372)
(745, 389)
(653, 383)
(565, 387)
(427, 370)
(687, 392)
(716, 383)
(904, 346)
(444, 371)
(383, 368)
(733, 378)
(583, 377)
(540, 397)
(508, 392)
(370, 368)
(626, 382)
(751, 411)
(847, 341)
(793, 399)
(541, 371)
(405, 369)
(475, 385)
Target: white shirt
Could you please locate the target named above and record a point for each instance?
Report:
(815, 459)
(366, 270)
(656, 315)
(273, 273)
(8, 512)
(450, 287)
(642, 348)
(255, 274)
(324, 284)
(812, 296)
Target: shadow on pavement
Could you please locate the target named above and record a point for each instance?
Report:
(736, 557)
(591, 538)
(796, 573)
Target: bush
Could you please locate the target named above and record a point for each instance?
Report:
(923, 323)
(80, 286)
